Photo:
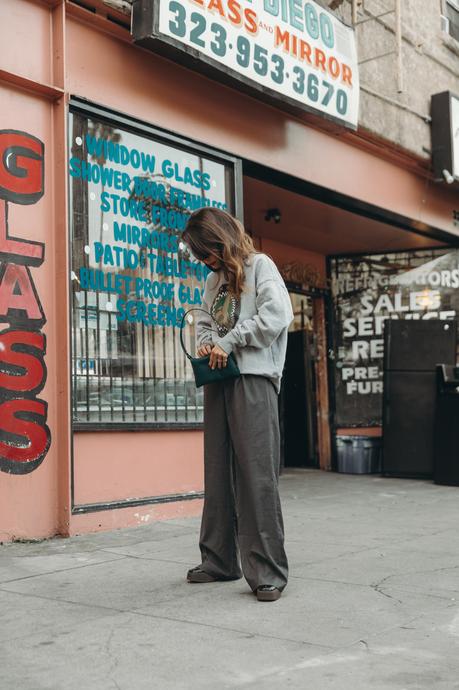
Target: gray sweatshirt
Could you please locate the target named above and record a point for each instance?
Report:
(255, 327)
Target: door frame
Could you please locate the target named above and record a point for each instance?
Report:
(322, 312)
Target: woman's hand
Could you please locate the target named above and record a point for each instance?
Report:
(204, 350)
(218, 358)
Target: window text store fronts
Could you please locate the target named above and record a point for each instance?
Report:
(100, 368)
(133, 278)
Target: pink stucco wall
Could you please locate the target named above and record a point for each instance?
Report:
(63, 56)
(110, 466)
(29, 502)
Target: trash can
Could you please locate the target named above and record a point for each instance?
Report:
(446, 434)
(359, 454)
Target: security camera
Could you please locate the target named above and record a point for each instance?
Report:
(447, 175)
(273, 214)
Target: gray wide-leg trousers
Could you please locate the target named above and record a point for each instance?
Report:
(241, 505)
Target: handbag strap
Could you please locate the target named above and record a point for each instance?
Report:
(182, 343)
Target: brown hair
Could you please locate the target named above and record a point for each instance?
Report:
(211, 232)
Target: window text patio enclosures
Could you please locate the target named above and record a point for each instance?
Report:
(131, 192)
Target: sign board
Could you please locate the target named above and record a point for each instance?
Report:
(445, 136)
(290, 51)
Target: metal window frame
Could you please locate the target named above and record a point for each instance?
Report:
(136, 126)
(85, 508)
(140, 127)
(454, 4)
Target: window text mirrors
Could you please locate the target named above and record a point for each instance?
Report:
(132, 277)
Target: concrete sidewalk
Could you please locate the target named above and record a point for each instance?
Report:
(372, 602)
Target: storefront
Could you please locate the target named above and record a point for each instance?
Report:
(106, 147)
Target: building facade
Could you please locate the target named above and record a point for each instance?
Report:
(395, 100)
(110, 138)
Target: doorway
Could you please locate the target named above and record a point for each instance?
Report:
(298, 396)
(300, 225)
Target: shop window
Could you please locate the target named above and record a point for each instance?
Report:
(132, 277)
(367, 290)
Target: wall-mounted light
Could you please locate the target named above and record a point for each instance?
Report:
(273, 214)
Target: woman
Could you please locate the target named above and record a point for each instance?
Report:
(249, 314)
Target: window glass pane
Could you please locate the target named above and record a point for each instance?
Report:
(452, 14)
(367, 290)
(302, 312)
(132, 277)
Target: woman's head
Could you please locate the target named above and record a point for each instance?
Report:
(220, 241)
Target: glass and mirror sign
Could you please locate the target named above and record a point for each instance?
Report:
(293, 51)
(132, 277)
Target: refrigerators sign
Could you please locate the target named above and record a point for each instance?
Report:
(291, 50)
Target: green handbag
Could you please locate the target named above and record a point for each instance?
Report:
(202, 372)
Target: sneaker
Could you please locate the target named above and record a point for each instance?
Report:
(268, 593)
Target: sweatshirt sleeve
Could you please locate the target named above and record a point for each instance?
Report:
(204, 323)
(274, 314)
